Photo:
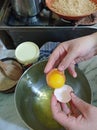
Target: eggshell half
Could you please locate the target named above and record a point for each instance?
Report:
(63, 94)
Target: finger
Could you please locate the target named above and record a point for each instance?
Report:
(66, 109)
(69, 58)
(55, 106)
(55, 58)
(74, 111)
(51, 61)
(81, 105)
(79, 59)
(72, 71)
(58, 114)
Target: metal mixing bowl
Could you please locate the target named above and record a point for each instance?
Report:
(32, 96)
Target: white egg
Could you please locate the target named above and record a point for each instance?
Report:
(63, 94)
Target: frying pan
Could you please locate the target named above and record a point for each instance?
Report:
(67, 17)
(32, 96)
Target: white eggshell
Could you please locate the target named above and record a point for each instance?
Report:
(63, 94)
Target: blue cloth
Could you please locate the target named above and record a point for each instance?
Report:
(47, 49)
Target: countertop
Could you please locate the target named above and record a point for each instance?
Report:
(9, 118)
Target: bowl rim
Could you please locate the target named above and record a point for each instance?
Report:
(68, 17)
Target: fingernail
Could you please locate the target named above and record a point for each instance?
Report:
(73, 95)
(46, 70)
(75, 75)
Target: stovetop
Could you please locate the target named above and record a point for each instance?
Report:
(44, 18)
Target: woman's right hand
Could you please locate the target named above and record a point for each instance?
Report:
(85, 120)
(68, 53)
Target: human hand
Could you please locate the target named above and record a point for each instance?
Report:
(68, 53)
(85, 120)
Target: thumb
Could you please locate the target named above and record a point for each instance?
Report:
(81, 105)
(58, 114)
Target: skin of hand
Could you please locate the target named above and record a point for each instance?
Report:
(68, 53)
(85, 120)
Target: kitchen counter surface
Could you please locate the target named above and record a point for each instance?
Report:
(9, 118)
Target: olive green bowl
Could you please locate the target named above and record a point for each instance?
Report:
(32, 96)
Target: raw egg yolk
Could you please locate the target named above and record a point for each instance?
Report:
(55, 78)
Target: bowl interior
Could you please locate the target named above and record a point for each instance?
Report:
(67, 17)
(32, 96)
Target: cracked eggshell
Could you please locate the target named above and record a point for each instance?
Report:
(63, 94)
